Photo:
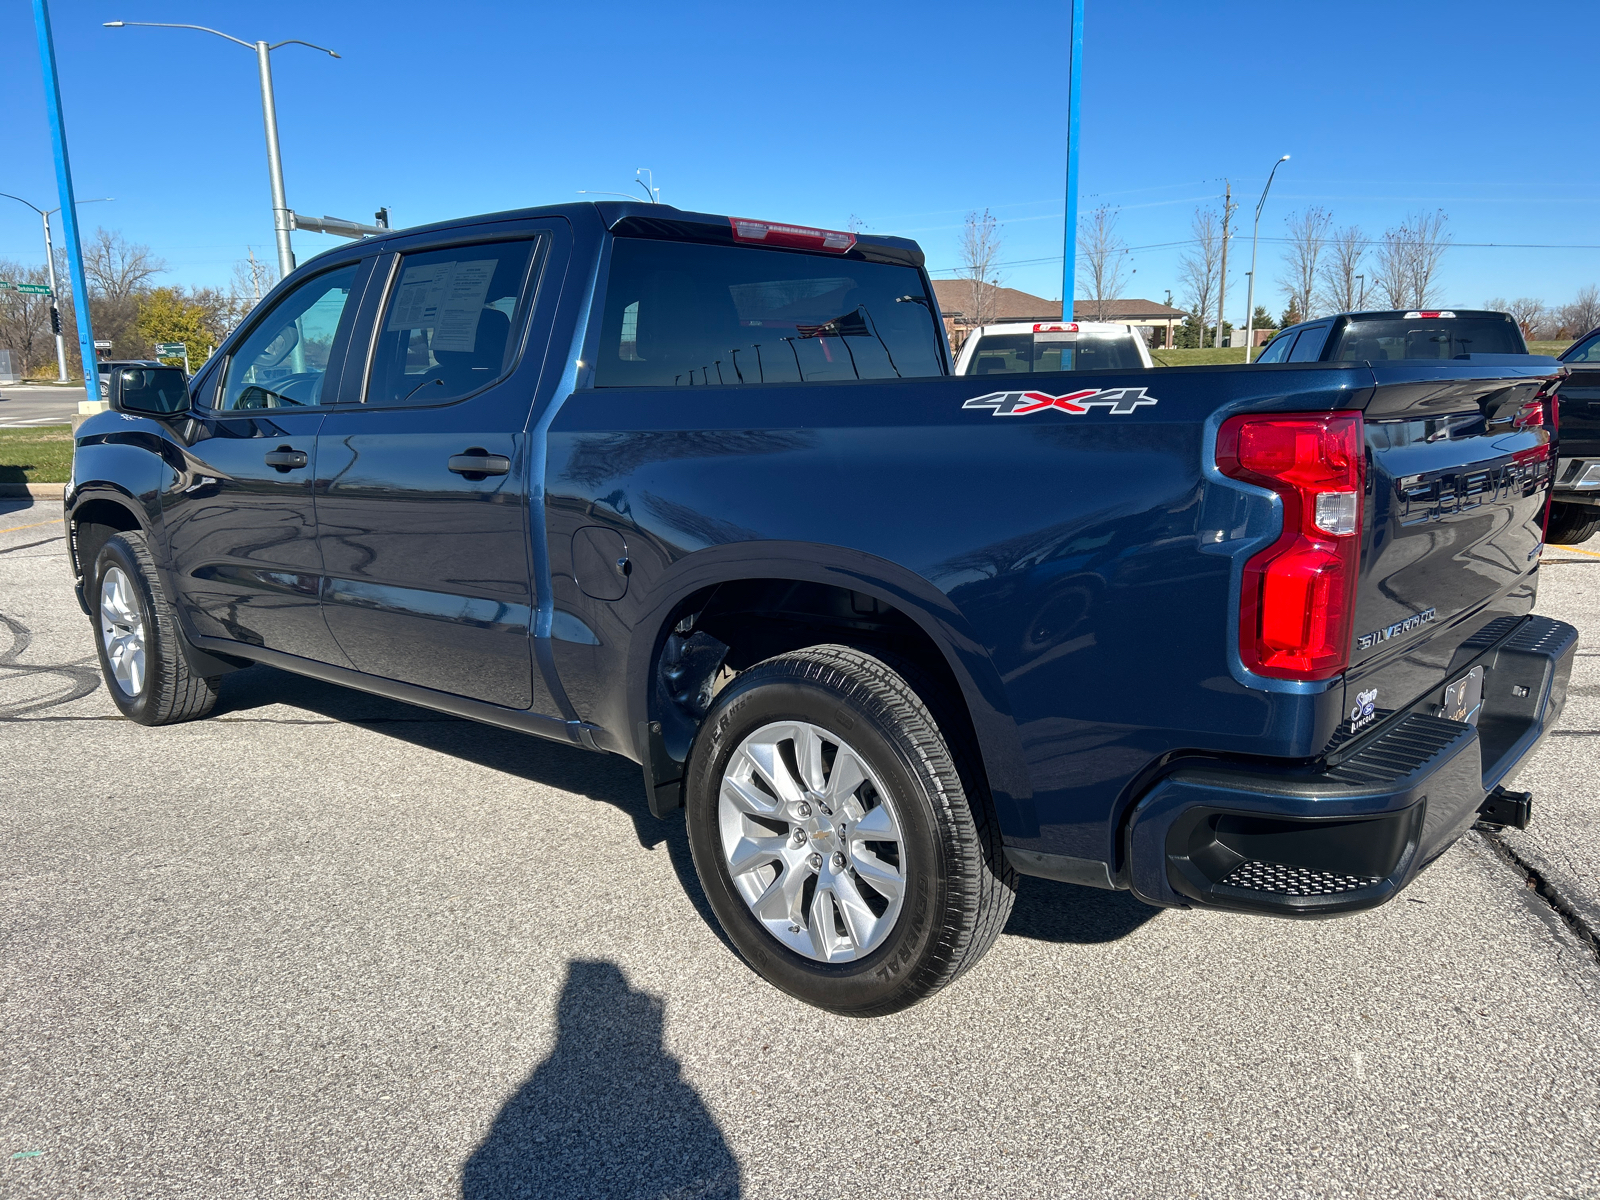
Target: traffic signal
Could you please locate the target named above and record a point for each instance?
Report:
(55, 319)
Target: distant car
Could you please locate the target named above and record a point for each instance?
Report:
(105, 367)
(1024, 347)
(1575, 504)
(1397, 337)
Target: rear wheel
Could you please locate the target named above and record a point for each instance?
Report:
(137, 636)
(1572, 523)
(843, 849)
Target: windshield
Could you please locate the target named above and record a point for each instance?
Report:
(687, 314)
(1008, 353)
(1392, 339)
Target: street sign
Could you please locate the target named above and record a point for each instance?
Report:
(102, 345)
(171, 349)
(6, 285)
(34, 289)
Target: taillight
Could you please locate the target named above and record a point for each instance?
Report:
(1297, 604)
(798, 237)
(1068, 328)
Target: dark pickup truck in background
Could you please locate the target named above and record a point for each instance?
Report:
(1575, 507)
(702, 492)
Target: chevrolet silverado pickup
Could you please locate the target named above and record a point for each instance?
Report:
(704, 492)
(1575, 506)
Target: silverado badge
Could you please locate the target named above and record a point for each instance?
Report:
(1120, 401)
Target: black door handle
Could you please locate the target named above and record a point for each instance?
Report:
(285, 459)
(476, 464)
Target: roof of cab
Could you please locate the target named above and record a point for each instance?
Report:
(631, 218)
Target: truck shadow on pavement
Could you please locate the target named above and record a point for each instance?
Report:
(608, 1113)
(1046, 910)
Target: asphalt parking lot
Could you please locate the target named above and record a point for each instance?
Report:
(322, 944)
(21, 406)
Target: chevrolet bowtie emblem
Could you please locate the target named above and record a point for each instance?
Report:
(1119, 401)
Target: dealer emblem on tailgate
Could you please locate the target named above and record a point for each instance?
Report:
(1119, 401)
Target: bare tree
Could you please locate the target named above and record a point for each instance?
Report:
(1408, 260)
(1102, 256)
(252, 279)
(116, 268)
(980, 247)
(1197, 270)
(1429, 241)
(25, 321)
(1527, 313)
(1582, 315)
(1308, 236)
(1347, 248)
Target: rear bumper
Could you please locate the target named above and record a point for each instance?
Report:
(1578, 480)
(1348, 835)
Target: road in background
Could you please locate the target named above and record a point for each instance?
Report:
(322, 944)
(24, 405)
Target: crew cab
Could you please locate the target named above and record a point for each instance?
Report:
(1418, 335)
(1575, 507)
(1025, 347)
(704, 492)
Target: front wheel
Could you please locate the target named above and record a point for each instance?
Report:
(842, 847)
(137, 637)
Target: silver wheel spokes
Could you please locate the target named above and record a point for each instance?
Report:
(811, 841)
(122, 630)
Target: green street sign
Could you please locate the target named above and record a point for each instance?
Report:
(34, 289)
(171, 349)
(6, 285)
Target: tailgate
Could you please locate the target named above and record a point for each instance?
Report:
(1458, 473)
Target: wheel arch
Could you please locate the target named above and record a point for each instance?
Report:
(95, 512)
(909, 617)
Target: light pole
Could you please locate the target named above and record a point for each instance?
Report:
(281, 223)
(1250, 292)
(1069, 266)
(1362, 303)
(50, 270)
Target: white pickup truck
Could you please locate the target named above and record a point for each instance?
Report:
(1029, 346)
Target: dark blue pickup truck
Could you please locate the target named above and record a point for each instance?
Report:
(702, 492)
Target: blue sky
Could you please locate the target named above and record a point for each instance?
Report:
(903, 115)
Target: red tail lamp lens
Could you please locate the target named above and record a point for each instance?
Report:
(798, 237)
(1298, 600)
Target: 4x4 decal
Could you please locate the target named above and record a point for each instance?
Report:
(1119, 401)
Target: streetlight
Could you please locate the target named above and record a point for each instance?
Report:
(281, 223)
(50, 268)
(1250, 294)
(1362, 303)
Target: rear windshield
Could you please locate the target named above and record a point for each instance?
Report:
(1008, 353)
(687, 315)
(1447, 337)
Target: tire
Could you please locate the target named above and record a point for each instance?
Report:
(814, 909)
(137, 638)
(1571, 524)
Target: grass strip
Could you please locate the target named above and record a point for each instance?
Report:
(42, 454)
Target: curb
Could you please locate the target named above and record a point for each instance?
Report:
(38, 491)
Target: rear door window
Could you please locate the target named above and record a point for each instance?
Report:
(448, 323)
(1584, 352)
(686, 314)
(1309, 344)
(1278, 350)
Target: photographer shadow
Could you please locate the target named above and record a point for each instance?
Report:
(608, 1113)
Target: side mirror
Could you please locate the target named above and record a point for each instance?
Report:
(149, 391)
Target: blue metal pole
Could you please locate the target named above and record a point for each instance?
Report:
(69, 208)
(1069, 271)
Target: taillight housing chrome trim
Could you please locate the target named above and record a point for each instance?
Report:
(1297, 599)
